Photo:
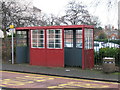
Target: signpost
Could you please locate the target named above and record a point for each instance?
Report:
(12, 31)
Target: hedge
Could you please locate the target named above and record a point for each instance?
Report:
(107, 52)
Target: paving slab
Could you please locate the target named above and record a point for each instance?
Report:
(68, 72)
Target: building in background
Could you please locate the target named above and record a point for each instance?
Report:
(111, 32)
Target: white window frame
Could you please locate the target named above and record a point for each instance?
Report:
(38, 39)
(54, 39)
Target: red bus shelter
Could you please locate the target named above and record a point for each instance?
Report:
(56, 46)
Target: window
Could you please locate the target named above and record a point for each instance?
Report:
(54, 38)
(68, 38)
(78, 38)
(21, 38)
(37, 38)
(88, 38)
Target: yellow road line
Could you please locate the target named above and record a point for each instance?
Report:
(61, 77)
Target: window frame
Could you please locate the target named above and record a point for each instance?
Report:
(88, 38)
(38, 38)
(54, 39)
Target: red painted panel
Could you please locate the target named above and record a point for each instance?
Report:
(55, 58)
(49, 57)
(89, 58)
(83, 44)
(38, 57)
(54, 27)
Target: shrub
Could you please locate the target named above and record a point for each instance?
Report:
(108, 52)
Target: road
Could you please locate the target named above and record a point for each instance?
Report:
(26, 80)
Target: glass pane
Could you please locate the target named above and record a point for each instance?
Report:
(34, 41)
(78, 33)
(23, 32)
(34, 36)
(57, 46)
(68, 33)
(51, 40)
(51, 31)
(79, 43)
(41, 36)
(18, 32)
(34, 31)
(78, 36)
(40, 41)
(40, 32)
(51, 45)
(34, 45)
(57, 36)
(40, 45)
(51, 35)
(24, 42)
(57, 31)
(57, 41)
(68, 43)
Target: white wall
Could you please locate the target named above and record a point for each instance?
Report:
(1, 34)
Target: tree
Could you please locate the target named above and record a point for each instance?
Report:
(52, 20)
(13, 11)
(76, 14)
(102, 36)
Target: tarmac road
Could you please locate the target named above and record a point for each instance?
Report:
(26, 80)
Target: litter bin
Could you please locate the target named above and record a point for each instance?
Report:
(108, 64)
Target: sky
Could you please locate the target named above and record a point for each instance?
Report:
(51, 6)
(57, 8)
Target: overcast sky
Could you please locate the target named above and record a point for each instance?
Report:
(57, 7)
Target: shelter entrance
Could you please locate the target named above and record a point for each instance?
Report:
(73, 47)
(22, 47)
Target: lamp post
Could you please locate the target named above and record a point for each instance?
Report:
(12, 31)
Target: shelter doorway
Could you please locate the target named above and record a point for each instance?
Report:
(22, 47)
(73, 47)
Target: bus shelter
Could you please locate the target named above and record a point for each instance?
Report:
(56, 46)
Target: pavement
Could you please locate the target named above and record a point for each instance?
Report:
(65, 72)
